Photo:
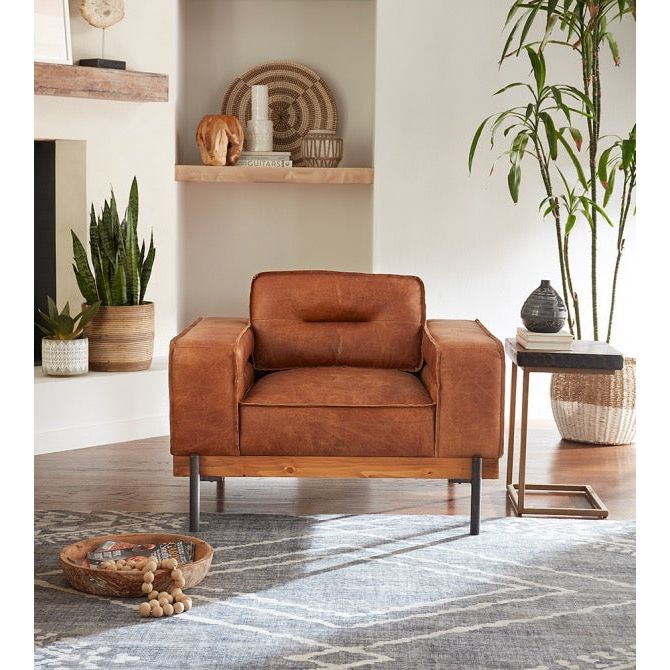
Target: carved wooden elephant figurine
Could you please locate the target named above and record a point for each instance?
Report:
(220, 139)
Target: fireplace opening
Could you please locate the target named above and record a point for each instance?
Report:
(60, 206)
(45, 232)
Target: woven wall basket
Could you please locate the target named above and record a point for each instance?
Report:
(298, 98)
(598, 409)
(121, 339)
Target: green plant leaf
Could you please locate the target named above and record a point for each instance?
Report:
(556, 92)
(587, 203)
(602, 166)
(551, 22)
(51, 308)
(527, 25)
(134, 201)
(514, 181)
(614, 48)
(578, 95)
(83, 273)
(106, 234)
(573, 158)
(519, 147)
(537, 63)
(147, 267)
(552, 135)
(610, 186)
(46, 331)
(576, 136)
(86, 315)
(514, 85)
(510, 36)
(132, 268)
(65, 324)
(52, 324)
(627, 153)
(118, 287)
(475, 140)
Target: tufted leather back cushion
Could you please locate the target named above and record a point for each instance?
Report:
(311, 318)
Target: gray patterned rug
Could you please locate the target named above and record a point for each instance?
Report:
(339, 592)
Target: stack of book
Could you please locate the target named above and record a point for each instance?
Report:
(561, 341)
(265, 159)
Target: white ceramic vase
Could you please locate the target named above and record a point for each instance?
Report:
(259, 135)
(64, 358)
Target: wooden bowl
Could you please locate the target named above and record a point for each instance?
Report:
(129, 584)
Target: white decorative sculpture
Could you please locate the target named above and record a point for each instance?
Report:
(259, 126)
(102, 14)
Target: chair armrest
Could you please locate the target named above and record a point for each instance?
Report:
(464, 372)
(209, 374)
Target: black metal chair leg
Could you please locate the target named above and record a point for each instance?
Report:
(476, 495)
(194, 494)
(220, 488)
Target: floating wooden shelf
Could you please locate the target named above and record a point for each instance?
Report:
(264, 175)
(73, 81)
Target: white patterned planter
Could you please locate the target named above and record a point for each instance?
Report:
(64, 358)
(597, 409)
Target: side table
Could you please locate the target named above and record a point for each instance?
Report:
(583, 358)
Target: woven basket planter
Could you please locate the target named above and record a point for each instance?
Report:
(597, 409)
(121, 339)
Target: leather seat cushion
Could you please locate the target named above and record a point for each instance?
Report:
(337, 411)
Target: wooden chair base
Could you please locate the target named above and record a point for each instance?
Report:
(215, 468)
(597, 510)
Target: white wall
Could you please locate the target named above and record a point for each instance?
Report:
(124, 139)
(229, 232)
(478, 253)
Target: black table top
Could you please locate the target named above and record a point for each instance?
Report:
(584, 355)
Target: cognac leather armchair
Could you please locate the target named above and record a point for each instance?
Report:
(336, 374)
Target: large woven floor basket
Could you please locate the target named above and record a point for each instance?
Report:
(598, 409)
(121, 339)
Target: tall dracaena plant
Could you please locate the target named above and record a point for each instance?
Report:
(534, 131)
(584, 27)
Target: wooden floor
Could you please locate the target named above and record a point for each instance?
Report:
(137, 476)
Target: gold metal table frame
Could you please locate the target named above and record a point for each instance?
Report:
(517, 492)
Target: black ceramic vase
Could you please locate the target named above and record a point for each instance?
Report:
(544, 310)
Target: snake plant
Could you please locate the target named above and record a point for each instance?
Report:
(62, 326)
(121, 269)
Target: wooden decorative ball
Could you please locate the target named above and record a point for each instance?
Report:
(178, 608)
(157, 611)
(147, 588)
(145, 609)
(168, 610)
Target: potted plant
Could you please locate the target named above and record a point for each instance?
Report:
(121, 336)
(64, 347)
(550, 126)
